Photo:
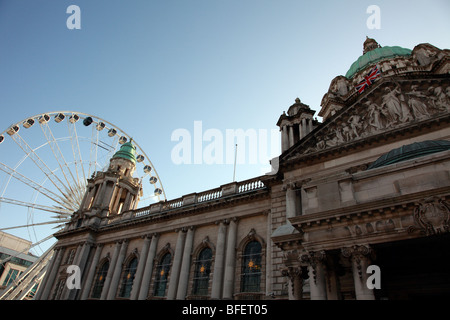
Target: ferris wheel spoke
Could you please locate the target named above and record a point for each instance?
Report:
(93, 151)
(42, 241)
(36, 224)
(54, 146)
(60, 211)
(76, 151)
(40, 164)
(36, 186)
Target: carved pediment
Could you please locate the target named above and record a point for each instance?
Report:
(387, 105)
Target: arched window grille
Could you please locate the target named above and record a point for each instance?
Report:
(128, 278)
(100, 280)
(201, 273)
(251, 267)
(162, 273)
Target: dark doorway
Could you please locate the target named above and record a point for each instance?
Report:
(414, 269)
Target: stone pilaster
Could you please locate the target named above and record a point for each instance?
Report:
(230, 261)
(177, 259)
(145, 283)
(185, 265)
(216, 289)
(90, 277)
(140, 269)
(117, 271)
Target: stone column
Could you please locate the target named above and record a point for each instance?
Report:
(284, 139)
(216, 289)
(110, 190)
(294, 273)
(117, 271)
(99, 195)
(310, 125)
(51, 274)
(140, 269)
(90, 277)
(145, 283)
(304, 129)
(230, 261)
(291, 136)
(116, 201)
(175, 274)
(360, 258)
(317, 281)
(185, 265)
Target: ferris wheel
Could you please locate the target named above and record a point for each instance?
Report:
(45, 161)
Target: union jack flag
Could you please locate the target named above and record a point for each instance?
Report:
(368, 80)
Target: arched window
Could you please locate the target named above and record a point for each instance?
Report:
(128, 278)
(201, 273)
(162, 273)
(251, 267)
(100, 280)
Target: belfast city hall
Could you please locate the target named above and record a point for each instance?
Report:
(356, 207)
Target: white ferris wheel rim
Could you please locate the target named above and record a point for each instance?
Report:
(82, 116)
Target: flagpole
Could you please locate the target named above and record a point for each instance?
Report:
(235, 156)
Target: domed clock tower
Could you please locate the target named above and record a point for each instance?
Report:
(112, 192)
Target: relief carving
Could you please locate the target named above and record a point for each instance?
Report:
(431, 217)
(398, 106)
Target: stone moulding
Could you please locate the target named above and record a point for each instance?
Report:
(397, 218)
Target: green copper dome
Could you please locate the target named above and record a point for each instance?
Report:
(410, 151)
(374, 56)
(126, 151)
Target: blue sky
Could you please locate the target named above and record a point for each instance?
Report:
(152, 67)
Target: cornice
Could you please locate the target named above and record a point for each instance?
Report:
(309, 222)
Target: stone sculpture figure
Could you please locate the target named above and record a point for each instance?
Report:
(418, 108)
(392, 104)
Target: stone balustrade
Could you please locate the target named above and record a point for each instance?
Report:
(223, 191)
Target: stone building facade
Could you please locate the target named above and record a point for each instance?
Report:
(366, 189)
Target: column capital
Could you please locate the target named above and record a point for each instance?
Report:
(292, 272)
(358, 254)
(356, 251)
(234, 219)
(222, 221)
(315, 259)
